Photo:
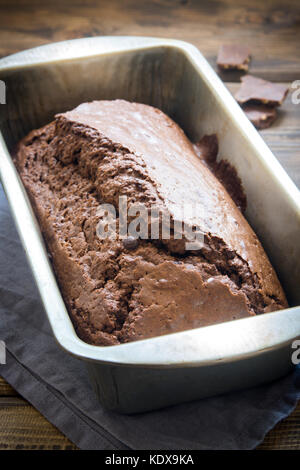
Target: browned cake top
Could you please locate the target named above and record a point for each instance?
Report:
(177, 175)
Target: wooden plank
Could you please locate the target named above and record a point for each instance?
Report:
(283, 137)
(6, 402)
(6, 389)
(285, 435)
(270, 28)
(23, 427)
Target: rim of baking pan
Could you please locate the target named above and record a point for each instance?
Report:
(224, 342)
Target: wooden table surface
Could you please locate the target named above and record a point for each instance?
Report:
(272, 31)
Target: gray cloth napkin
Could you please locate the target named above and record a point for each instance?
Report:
(58, 385)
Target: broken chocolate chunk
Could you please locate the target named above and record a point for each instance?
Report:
(255, 89)
(233, 56)
(261, 116)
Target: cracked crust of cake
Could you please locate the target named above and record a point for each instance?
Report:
(114, 294)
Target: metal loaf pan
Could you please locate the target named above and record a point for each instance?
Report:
(173, 76)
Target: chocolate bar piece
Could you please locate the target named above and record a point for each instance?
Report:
(255, 89)
(233, 57)
(261, 116)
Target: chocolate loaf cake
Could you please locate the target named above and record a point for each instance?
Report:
(123, 290)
